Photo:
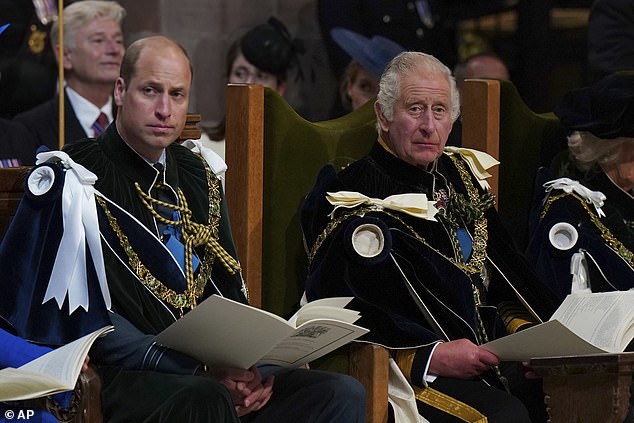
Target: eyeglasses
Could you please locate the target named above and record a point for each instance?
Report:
(242, 75)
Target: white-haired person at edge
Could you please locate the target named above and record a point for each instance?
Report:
(583, 214)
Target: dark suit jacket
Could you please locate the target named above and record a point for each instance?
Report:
(43, 123)
(610, 37)
(16, 142)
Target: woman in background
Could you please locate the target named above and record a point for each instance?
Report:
(263, 56)
(369, 56)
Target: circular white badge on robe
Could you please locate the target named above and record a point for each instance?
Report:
(41, 180)
(563, 236)
(368, 240)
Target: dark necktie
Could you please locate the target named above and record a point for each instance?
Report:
(163, 193)
(100, 124)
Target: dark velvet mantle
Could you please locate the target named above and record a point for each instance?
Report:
(118, 167)
(608, 270)
(388, 308)
(27, 255)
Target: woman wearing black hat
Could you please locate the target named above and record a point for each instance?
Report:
(264, 56)
(583, 227)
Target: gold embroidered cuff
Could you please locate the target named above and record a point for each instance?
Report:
(449, 405)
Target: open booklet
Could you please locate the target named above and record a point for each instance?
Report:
(585, 323)
(225, 333)
(55, 371)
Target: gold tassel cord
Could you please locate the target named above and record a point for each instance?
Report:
(194, 234)
(60, 71)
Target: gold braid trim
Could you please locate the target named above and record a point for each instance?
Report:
(606, 234)
(478, 254)
(194, 234)
(480, 238)
(361, 211)
(449, 405)
(480, 233)
(179, 301)
(215, 212)
(404, 361)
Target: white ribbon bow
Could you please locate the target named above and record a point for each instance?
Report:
(479, 162)
(415, 205)
(81, 226)
(215, 162)
(596, 198)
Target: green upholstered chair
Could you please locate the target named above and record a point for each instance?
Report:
(281, 153)
(273, 157)
(496, 120)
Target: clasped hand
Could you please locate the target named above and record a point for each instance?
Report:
(248, 392)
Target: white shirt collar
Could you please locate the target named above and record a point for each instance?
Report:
(87, 112)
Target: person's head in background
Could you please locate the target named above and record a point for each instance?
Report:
(486, 65)
(602, 120)
(93, 47)
(264, 56)
(360, 82)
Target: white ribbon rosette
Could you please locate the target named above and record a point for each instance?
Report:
(81, 227)
(596, 198)
(478, 161)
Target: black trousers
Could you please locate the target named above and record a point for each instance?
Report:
(299, 395)
(525, 404)
(311, 396)
(150, 397)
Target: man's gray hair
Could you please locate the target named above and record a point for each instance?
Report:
(404, 64)
(587, 150)
(82, 13)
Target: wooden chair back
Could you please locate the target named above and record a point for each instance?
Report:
(273, 157)
(496, 120)
(191, 131)
(11, 191)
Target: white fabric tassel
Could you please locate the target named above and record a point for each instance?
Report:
(579, 271)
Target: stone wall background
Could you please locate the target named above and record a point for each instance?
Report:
(206, 28)
(544, 46)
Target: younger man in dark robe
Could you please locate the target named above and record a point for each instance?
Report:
(153, 196)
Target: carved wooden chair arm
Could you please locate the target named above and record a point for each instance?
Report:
(369, 364)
